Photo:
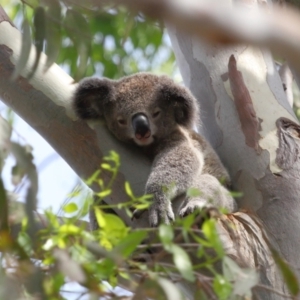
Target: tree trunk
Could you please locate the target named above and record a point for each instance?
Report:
(247, 118)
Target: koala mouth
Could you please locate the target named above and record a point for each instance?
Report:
(143, 136)
(144, 141)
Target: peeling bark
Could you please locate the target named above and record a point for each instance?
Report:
(288, 150)
(244, 105)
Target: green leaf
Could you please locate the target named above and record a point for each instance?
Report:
(128, 190)
(78, 29)
(183, 263)
(100, 217)
(106, 167)
(211, 234)
(236, 194)
(93, 178)
(171, 291)
(243, 279)
(113, 156)
(222, 287)
(166, 233)
(3, 208)
(70, 207)
(104, 194)
(39, 22)
(158, 289)
(52, 219)
(53, 32)
(112, 228)
(287, 273)
(104, 268)
(69, 229)
(17, 174)
(32, 3)
(25, 242)
(130, 243)
(25, 50)
(114, 222)
(55, 282)
(85, 208)
(24, 159)
(200, 294)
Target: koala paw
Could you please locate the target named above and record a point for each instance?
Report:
(189, 206)
(161, 212)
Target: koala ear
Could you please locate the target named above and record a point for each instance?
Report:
(184, 104)
(91, 96)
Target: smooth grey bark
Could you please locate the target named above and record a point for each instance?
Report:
(248, 120)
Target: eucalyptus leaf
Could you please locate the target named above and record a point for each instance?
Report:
(243, 280)
(158, 289)
(24, 160)
(222, 287)
(3, 208)
(5, 133)
(39, 22)
(183, 263)
(287, 273)
(53, 32)
(25, 50)
(70, 207)
(78, 29)
(171, 291)
(129, 244)
(166, 233)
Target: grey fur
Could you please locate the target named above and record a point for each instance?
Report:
(166, 113)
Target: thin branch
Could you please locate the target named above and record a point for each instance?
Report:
(267, 288)
(287, 81)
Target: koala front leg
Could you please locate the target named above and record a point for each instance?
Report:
(172, 174)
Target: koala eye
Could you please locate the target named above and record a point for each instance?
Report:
(121, 121)
(156, 113)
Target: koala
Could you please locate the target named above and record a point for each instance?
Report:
(158, 115)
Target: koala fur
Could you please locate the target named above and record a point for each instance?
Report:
(158, 115)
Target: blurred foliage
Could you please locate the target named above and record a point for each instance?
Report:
(41, 253)
(296, 96)
(87, 39)
(293, 2)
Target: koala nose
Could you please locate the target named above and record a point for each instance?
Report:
(141, 126)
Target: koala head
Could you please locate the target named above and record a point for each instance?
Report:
(142, 108)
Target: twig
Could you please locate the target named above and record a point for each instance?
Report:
(267, 288)
(287, 81)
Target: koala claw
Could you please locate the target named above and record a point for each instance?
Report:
(158, 215)
(188, 207)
